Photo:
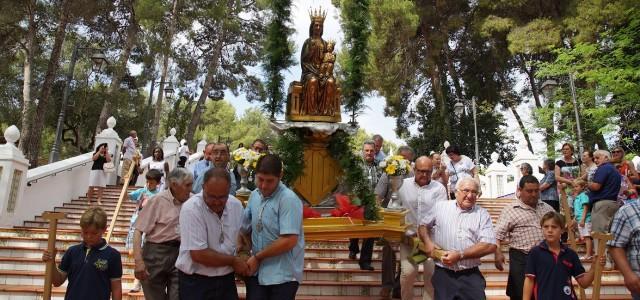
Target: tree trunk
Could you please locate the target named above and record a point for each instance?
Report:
(28, 48)
(120, 70)
(155, 127)
(452, 71)
(521, 124)
(35, 133)
(195, 117)
(548, 131)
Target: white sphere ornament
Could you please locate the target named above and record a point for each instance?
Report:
(494, 157)
(446, 144)
(172, 131)
(12, 134)
(111, 122)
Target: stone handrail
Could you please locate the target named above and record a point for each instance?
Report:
(55, 168)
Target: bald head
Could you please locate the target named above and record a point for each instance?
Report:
(423, 170)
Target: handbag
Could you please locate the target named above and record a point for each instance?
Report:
(109, 167)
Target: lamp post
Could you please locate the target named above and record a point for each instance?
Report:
(99, 59)
(168, 93)
(548, 89)
(458, 109)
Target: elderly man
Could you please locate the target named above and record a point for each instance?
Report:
(159, 220)
(625, 245)
(217, 156)
(378, 142)
(210, 224)
(604, 188)
(419, 194)
(519, 223)
(273, 219)
(371, 174)
(464, 230)
(383, 194)
(129, 151)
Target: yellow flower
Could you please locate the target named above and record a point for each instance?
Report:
(391, 169)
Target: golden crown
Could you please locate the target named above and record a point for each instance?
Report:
(317, 15)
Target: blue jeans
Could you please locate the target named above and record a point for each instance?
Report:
(283, 291)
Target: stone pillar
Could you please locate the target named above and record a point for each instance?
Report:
(201, 144)
(114, 144)
(13, 174)
(497, 174)
(171, 145)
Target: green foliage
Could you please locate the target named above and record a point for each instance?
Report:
(351, 165)
(220, 123)
(355, 24)
(538, 36)
(290, 147)
(278, 55)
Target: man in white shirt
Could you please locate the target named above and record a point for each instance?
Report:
(464, 230)
(128, 151)
(418, 194)
(209, 226)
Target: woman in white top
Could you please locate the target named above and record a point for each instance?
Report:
(97, 177)
(183, 153)
(158, 163)
(459, 166)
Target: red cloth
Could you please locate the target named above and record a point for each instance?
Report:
(308, 212)
(344, 208)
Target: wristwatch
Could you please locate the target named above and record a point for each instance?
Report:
(461, 254)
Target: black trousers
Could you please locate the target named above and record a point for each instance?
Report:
(462, 285)
(553, 203)
(208, 288)
(367, 249)
(283, 291)
(517, 264)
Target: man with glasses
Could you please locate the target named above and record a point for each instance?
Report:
(273, 220)
(419, 194)
(519, 223)
(209, 228)
(216, 156)
(465, 232)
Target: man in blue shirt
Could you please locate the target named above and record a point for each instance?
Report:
(273, 218)
(216, 155)
(603, 193)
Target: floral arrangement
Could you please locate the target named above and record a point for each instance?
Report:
(395, 165)
(345, 208)
(246, 157)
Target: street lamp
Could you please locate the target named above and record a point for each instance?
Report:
(548, 89)
(99, 61)
(458, 109)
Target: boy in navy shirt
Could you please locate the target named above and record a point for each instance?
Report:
(94, 268)
(551, 264)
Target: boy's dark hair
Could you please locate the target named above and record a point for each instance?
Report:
(270, 164)
(549, 163)
(154, 174)
(557, 218)
(527, 179)
(94, 216)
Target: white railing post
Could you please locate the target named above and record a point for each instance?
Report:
(171, 145)
(497, 174)
(13, 174)
(114, 144)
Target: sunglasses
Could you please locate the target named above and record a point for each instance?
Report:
(616, 151)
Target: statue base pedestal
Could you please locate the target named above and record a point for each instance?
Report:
(295, 111)
(321, 170)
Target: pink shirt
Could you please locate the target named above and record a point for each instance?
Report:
(160, 218)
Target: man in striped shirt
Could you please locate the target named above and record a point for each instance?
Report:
(464, 230)
(519, 224)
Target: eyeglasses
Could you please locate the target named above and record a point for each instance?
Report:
(467, 192)
(616, 151)
(427, 171)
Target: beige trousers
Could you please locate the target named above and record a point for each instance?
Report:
(409, 273)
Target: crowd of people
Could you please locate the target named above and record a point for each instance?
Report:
(193, 238)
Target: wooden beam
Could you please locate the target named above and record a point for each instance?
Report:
(53, 218)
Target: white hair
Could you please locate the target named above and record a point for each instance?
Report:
(471, 180)
(604, 153)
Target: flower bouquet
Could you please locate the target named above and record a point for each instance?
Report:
(395, 166)
(246, 161)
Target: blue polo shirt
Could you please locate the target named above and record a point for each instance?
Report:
(280, 214)
(552, 274)
(607, 175)
(90, 271)
(202, 167)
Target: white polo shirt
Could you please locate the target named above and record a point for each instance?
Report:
(200, 228)
(419, 200)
